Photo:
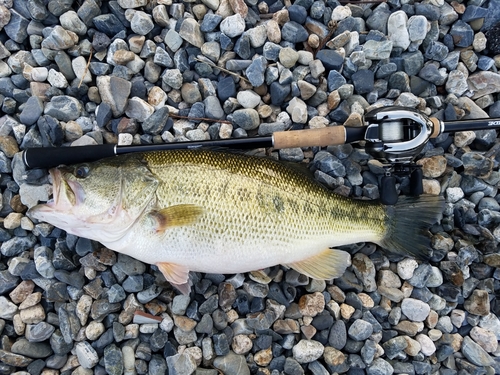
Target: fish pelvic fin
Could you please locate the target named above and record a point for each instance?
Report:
(408, 223)
(175, 216)
(328, 264)
(176, 275)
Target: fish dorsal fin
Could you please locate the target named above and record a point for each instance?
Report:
(328, 264)
(176, 275)
(176, 216)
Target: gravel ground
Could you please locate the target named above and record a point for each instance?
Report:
(90, 72)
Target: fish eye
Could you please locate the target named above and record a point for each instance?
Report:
(82, 171)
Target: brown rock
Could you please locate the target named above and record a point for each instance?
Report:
(432, 319)
(23, 290)
(409, 328)
(8, 145)
(312, 304)
(431, 187)
(413, 346)
(333, 100)
(484, 338)
(354, 119)
(33, 315)
(190, 32)
(492, 260)
(458, 7)
(15, 360)
(273, 31)
(281, 16)
(287, 326)
(434, 166)
(337, 294)
(313, 41)
(127, 125)
(263, 357)
(242, 344)
(346, 311)
(484, 83)
(39, 89)
(4, 16)
(333, 356)
(31, 301)
(17, 205)
(308, 331)
(478, 303)
(122, 56)
(239, 6)
(184, 323)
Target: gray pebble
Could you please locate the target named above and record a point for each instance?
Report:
(360, 330)
(414, 309)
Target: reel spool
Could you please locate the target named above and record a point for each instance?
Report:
(395, 136)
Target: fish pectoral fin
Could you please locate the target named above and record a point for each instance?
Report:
(176, 275)
(328, 264)
(176, 216)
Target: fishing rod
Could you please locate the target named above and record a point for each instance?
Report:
(393, 135)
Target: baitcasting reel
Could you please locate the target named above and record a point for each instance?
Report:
(395, 136)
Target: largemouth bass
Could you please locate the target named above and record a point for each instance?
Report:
(216, 212)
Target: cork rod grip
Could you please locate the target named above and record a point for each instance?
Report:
(332, 135)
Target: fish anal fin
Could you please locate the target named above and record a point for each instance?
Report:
(176, 216)
(328, 264)
(176, 275)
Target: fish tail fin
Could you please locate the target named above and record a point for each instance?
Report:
(408, 223)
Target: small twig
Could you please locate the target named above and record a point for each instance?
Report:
(199, 118)
(332, 26)
(86, 69)
(221, 68)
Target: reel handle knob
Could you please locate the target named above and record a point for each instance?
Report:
(388, 193)
(416, 186)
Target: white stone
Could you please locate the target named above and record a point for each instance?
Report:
(418, 26)
(79, 65)
(415, 309)
(305, 57)
(435, 279)
(257, 35)
(5, 70)
(125, 139)
(87, 356)
(233, 26)
(427, 346)
(484, 338)
(248, 98)
(128, 360)
(406, 267)
(71, 21)
(225, 131)
(341, 12)
(397, 29)
(307, 351)
(491, 323)
(297, 110)
(456, 83)
(139, 109)
(31, 194)
(454, 194)
(39, 74)
(7, 308)
(57, 79)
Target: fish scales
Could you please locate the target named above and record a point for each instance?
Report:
(253, 198)
(219, 212)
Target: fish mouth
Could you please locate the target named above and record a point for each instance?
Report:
(66, 194)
